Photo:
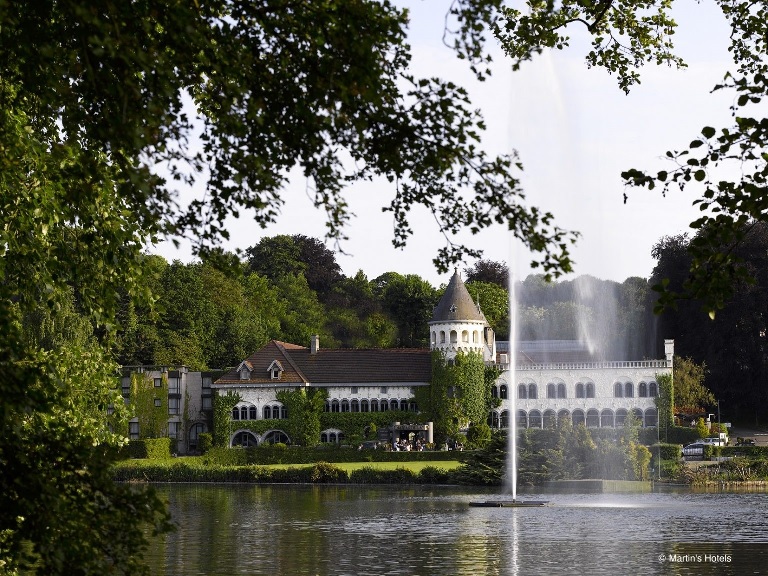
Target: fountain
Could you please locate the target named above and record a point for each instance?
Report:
(511, 472)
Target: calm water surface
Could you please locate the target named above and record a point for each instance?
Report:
(352, 530)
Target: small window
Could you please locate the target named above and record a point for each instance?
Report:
(383, 390)
(133, 430)
(158, 403)
(354, 389)
(158, 382)
(579, 390)
(207, 403)
(252, 413)
(590, 390)
(275, 373)
(173, 429)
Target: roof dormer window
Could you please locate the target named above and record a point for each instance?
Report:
(275, 370)
(244, 370)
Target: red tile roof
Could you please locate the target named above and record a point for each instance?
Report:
(393, 366)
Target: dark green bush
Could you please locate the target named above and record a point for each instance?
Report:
(205, 442)
(433, 475)
(154, 448)
(667, 451)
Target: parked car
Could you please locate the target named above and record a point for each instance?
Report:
(695, 450)
(714, 441)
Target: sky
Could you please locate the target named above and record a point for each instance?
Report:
(574, 130)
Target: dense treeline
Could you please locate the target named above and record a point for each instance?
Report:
(290, 287)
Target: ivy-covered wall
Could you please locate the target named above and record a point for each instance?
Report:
(460, 394)
(150, 404)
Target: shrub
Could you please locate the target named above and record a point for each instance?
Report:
(324, 473)
(433, 475)
(153, 448)
(667, 451)
(205, 442)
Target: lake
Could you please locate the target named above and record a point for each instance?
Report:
(432, 531)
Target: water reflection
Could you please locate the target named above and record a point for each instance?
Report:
(340, 530)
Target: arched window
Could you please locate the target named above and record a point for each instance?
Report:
(651, 417)
(532, 395)
(618, 390)
(374, 405)
(475, 337)
(244, 438)
(493, 419)
(593, 418)
(522, 392)
(243, 412)
(551, 391)
(253, 413)
(465, 336)
(393, 404)
(384, 405)
(522, 419)
(621, 416)
(642, 390)
(561, 390)
(637, 413)
(363, 405)
(563, 415)
(534, 419)
(434, 337)
(629, 391)
(235, 413)
(606, 418)
(345, 405)
(283, 412)
(354, 405)
(494, 391)
(579, 390)
(550, 419)
(274, 436)
(653, 390)
(590, 390)
(334, 405)
(503, 391)
(324, 438)
(454, 337)
(412, 406)
(578, 417)
(442, 336)
(267, 412)
(404, 405)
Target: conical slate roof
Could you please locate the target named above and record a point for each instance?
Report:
(456, 304)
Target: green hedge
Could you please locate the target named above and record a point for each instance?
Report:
(667, 451)
(279, 454)
(751, 452)
(152, 448)
(320, 473)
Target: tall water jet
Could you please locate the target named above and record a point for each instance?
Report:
(512, 432)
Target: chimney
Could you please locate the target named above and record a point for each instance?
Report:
(669, 351)
(314, 344)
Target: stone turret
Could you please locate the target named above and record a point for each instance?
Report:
(458, 324)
